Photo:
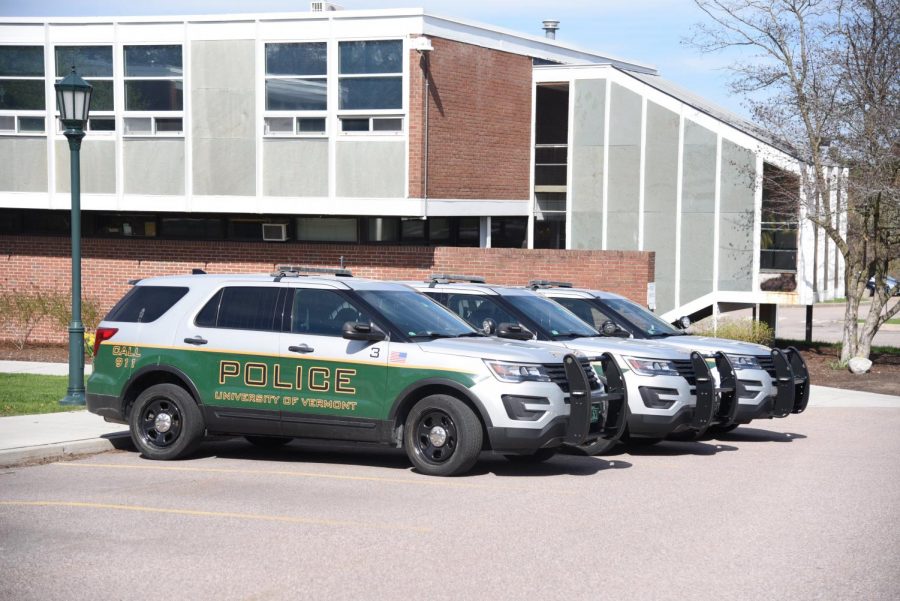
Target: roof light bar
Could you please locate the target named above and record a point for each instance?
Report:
(283, 271)
(549, 284)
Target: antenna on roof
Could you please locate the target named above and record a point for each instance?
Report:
(550, 28)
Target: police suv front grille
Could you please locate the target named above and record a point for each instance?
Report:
(557, 373)
(685, 370)
(767, 363)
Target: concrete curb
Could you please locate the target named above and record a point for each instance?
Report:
(63, 450)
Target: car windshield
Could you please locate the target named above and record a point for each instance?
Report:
(553, 318)
(416, 315)
(639, 317)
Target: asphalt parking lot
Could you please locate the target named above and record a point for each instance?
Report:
(804, 508)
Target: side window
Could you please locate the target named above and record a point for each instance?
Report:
(144, 304)
(242, 308)
(475, 309)
(322, 312)
(585, 311)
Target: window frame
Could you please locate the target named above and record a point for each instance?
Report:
(296, 114)
(153, 115)
(373, 114)
(94, 114)
(18, 114)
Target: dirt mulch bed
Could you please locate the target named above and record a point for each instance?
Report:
(46, 353)
(883, 378)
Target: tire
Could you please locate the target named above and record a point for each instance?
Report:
(722, 429)
(268, 442)
(184, 425)
(538, 456)
(442, 436)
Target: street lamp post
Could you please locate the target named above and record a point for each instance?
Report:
(73, 98)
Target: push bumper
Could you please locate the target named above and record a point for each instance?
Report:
(791, 382)
(717, 404)
(594, 415)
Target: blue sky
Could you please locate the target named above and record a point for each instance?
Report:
(649, 31)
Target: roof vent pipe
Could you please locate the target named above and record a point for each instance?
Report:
(550, 28)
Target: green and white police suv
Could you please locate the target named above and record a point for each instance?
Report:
(670, 391)
(296, 354)
(770, 383)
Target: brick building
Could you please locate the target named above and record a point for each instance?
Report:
(260, 137)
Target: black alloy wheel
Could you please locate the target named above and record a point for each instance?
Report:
(161, 423)
(436, 437)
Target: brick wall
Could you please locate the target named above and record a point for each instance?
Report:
(44, 262)
(479, 123)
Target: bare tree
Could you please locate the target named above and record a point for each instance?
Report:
(824, 77)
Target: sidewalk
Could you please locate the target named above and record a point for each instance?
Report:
(36, 367)
(50, 436)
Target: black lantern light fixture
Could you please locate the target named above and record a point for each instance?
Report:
(73, 98)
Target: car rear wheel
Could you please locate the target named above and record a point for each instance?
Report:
(442, 436)
(165, 422)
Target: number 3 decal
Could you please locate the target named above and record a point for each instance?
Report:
(376, 351)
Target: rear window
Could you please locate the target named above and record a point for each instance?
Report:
(144, 304)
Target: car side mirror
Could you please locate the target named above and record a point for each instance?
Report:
(489, 326)
(610, 328)
(514, 331)
(355, 330)
(683, 322)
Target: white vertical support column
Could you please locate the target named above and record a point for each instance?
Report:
(50, 114)
(678, 194)
(570, 153)
(606, 162)
(806, 245)
(641, 177)
(717, 209)
(529, 232)
(757, 219)
(188, 119)
(119, 106)
(259, 98)
(332, 123)
(715, 316)
(484, 233)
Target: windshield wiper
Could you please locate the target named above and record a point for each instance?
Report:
(434, 335)
(470, 335)
(569, 335)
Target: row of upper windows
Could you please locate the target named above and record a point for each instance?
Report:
(370, 78)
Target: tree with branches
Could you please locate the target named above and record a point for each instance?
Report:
(824, 77)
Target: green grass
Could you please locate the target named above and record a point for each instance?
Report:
(26, 394)
(890, 321)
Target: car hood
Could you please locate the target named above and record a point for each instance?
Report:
(707, 344)
(626, 346)
(497, 349)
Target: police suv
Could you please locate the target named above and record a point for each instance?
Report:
(298, 354)
(770, 382)
(669, 390)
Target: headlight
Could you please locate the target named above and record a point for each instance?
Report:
(744, 362)
(651, 367)
(517, 372)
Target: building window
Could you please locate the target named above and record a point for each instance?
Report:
(371, 86)
(780, 221)
(509, 232)
(154, 90)
(95, 65)
(296, 89)
(124, 225)
(22, 98)
(327, 229)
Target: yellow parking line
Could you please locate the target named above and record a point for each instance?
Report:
(424, 481)
(215, 514)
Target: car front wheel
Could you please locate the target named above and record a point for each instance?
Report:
(442, 436)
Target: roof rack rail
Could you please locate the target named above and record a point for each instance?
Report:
(294, 271)
(446, 278)
(534, 284)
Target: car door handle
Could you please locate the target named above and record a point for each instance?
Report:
(303, 348)
(198, 340)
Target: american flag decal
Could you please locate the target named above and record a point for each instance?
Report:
(398, 357)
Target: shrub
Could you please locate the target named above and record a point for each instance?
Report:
(22, 311)
(60, 311)
(746, 330)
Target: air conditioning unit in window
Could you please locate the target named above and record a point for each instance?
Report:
(318, 7)
(274, 232)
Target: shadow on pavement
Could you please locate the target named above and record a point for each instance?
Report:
(365, 455)
(670, 448)
(744, 434)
